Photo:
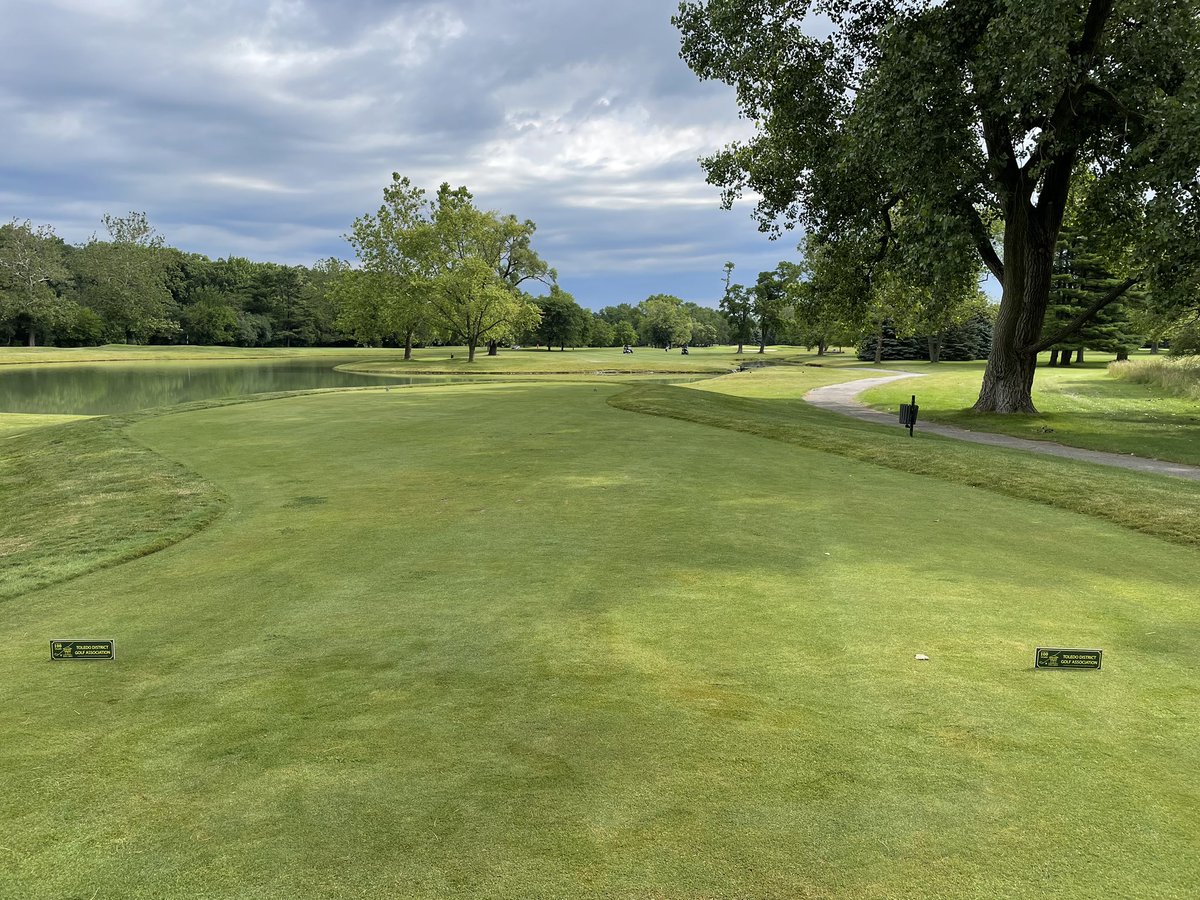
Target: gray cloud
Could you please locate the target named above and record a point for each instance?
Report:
(263, 128)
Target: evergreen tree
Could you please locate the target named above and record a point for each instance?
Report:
(1082, 273)
(969, 341)
(959, 343)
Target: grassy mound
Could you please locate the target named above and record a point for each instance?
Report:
(83, 496)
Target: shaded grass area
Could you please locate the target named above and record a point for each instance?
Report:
(1080, 406)
(1165, 508)
(83, 496)
(508, 641)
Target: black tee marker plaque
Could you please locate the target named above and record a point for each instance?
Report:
(1059, 658)
(78, 648)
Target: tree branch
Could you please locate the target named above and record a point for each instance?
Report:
(1083, 52)
(1080, 320)
(1098, 15)
(983, 241)
(1002, 158)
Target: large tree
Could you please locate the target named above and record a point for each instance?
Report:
(395, 247)
(972, 118)
(664, 321)
(825, 303)
(563, 321)
(1088, 265)
(1082, 273)
(30, 264)
(769, 299)
(126, 279)
(737, 308)
(479, 260)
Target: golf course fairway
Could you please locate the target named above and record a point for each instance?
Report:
(508, 640)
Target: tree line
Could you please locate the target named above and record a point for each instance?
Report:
(437, 269)
(130, 287)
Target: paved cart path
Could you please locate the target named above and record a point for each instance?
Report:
(841, 398)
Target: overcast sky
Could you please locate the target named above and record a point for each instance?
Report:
(262, 129)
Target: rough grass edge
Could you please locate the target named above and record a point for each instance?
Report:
(1178, 376)
(97, 438)
(1154, 505)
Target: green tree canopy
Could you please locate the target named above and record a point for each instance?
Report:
(601, 334)
(126, 279)
(769, 300)
(479, 260)
(624, 334)
(31, 263)
(396, 248)
(737, 307)
(664, 321)
(563, 321)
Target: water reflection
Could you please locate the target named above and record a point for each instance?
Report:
(116, 387)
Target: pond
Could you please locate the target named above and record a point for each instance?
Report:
(108, 388)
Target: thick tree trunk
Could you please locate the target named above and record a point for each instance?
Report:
(1053, 358)
(935, 348)
(739, 348)
(470, 352)
(408, 336)
(821, 347)
(32, 336)
(493, 348)
(1079, 355)
(1028, 266)
(1154, 346)
(1065, 360)
(1122, 354)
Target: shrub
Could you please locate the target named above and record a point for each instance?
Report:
(1185, 341)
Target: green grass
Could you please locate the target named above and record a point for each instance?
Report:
(585, 360)
(12, 424)
(767, 404)
(1079, 406)
(511, 641)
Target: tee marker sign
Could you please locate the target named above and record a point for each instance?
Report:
(78, 648)
(1058, 658)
